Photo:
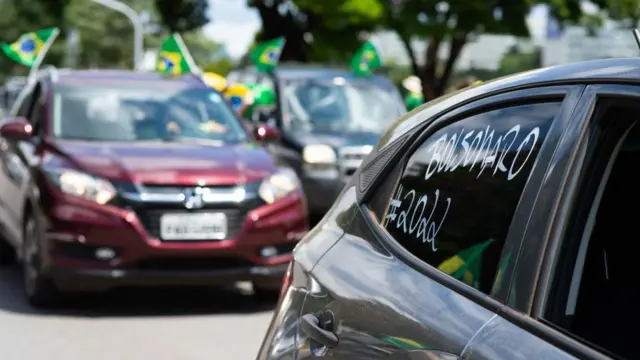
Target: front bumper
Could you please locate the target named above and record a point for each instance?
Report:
(98, 280)
(77, 231)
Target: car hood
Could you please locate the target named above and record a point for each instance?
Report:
(170, 163)
(336, 139)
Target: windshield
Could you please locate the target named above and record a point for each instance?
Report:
(137, 113)
(319, 105)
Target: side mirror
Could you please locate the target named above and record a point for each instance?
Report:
(18, 129)
(264, 132)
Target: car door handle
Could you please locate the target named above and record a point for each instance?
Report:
(312, 327)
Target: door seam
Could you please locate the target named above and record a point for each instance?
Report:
(464, 350)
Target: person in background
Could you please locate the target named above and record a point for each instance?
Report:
(414, 97)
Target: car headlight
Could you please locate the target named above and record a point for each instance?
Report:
(319, 154)
(278, 185)
(83, 185)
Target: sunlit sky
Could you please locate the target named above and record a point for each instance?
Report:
(235, 25)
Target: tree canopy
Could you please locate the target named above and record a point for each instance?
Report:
(182, 15)
(337, 27)
(105, 36)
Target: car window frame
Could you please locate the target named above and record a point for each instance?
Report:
(567, 95)
(26, 94)
(555, 209)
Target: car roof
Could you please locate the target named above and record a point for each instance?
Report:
(74, 75)
(603, 70)
(288, 71)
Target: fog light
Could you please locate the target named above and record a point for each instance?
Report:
(268, 251)
(105, 253)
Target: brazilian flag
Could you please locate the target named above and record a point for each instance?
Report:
(366, 60)
(466, 265)
(25, 50)
(172, 59)
(265, 57)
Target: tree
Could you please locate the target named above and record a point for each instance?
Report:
(19, 17)
(182, 15)
(452, 24)
(516, 60)
(202, 49)
(327, 30)
(106, 36)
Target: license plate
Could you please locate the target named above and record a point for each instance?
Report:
(202, 226)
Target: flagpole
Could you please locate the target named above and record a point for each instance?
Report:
(40, 57)
(187, 55)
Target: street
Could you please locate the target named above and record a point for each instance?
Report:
(133, 325)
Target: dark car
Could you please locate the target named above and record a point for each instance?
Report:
(486, 224)
(112, 178)
(329, 121)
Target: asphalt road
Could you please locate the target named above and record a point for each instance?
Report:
(177, 324)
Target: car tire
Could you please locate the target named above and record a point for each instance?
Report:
(267, 293)
(40, 290)
(7, 253)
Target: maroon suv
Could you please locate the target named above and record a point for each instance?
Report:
(114, 179)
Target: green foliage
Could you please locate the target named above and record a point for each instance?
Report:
(328, 30)
(106, 36)
(516, 60)
(221, 66)
(204, 50)
(182, 15)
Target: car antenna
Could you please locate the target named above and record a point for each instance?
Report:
(636, 35)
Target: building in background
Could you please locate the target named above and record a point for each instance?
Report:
(577, 43)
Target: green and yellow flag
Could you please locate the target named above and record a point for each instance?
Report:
(366, 60)
(25, 50)
(172, 59)
(265, 57)
(466, 266)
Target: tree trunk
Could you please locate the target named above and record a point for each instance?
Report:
(455, 48)
(428, 71)
(415, 67)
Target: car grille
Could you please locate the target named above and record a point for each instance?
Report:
(150, 219)
(149, 213)
(351, 157)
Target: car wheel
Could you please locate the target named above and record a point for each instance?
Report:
(39, 290)
(7, 254)
(263, 292)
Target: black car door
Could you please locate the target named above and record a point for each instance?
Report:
(427, 260)
(576, 291)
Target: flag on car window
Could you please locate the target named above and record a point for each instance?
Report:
(172, 58)
(466, 266)
(366, 60)
(265, 57)
(25, 50)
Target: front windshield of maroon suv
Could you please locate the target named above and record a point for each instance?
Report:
(143, 113)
